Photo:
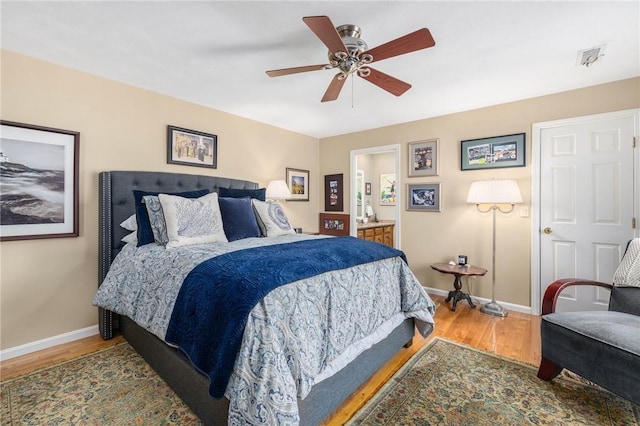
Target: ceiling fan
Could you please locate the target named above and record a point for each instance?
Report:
(351, 55)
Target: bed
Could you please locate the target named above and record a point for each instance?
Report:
(324, 393)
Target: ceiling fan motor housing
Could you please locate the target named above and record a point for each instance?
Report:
(350, 35)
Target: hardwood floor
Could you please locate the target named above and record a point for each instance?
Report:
(36, 360)
(517, 336)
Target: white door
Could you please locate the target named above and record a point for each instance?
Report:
(586, 205)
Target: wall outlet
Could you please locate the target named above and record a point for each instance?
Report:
(524, 211)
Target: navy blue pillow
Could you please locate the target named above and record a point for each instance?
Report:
(145, 234)
(238, 219)
(259, 194)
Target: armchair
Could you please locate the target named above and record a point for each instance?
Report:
(601, 346)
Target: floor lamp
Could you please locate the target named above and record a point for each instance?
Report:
(494, 195)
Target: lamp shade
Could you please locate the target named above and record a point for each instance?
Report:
(278, 190)
(494, 192)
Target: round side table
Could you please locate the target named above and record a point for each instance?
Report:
(458, 271)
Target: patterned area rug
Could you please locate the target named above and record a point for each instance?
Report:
(449, 384)
(114, 386)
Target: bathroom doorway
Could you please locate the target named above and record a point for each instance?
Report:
(377, 195)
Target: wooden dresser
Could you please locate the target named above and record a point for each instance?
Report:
(381, 232)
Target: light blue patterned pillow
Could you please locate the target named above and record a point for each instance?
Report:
(272, 219)
(192, 220)
(156, 218)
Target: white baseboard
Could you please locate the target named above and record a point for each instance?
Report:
(49, 342)
(482, 300)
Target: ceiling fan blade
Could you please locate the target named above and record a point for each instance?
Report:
(326, 32)
(334, 88)
(417, 40)
(384, 81)
(295, 70)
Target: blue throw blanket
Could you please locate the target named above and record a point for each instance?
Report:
(214, 302)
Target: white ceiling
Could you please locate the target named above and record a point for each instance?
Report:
(216, 53)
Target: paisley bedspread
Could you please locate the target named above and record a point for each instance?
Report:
(297, 335)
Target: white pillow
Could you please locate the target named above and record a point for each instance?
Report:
(131, 238)
(272, 219)
(130, 224)
(628, 272)
(192, 220)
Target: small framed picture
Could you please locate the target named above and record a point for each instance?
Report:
(492, 153)
(298, 183)
(333, 199)
(423, 158)
(423, 197)
(367, 188)
(388, 189)
(191, 148)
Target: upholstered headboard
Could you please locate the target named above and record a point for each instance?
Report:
(117, 204)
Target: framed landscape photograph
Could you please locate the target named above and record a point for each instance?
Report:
(423, 158)
(333, 199)
(423, 197)
(298, 183)
(39, 191)
(494, 152)
(191, 148)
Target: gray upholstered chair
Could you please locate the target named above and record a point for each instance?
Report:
(601, 346)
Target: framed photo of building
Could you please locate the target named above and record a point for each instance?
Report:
(494, 152)
(39, 191)
(191, 148)
(423, 158)
(423, 197)
(298, 183)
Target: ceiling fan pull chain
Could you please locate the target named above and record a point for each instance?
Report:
(352, 83)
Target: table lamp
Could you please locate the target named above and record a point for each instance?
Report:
(496, 195)
(277, 190)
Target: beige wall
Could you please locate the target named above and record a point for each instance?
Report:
(47, 285)
(428, 237)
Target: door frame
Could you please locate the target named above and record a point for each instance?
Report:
(536, 132)
(353, 179)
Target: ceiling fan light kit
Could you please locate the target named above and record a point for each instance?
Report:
(350, 55)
